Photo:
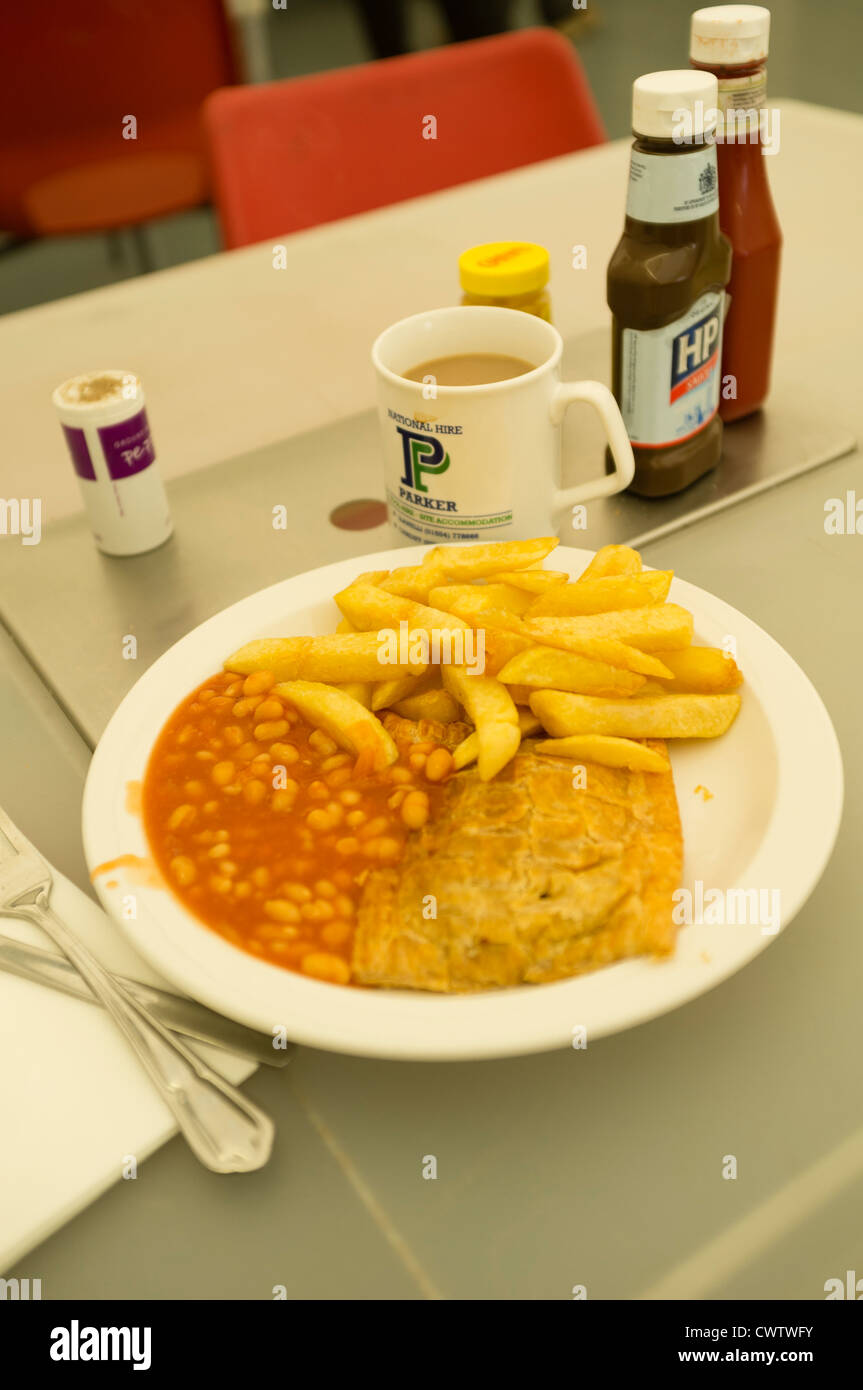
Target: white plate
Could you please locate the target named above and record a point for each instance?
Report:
(776, 784)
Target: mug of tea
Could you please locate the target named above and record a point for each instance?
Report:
(471, 405)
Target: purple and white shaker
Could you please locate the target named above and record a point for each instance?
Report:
(108, 436)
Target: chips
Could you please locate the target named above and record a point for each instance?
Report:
(657, 716)
(359, 690)
(606, 595)
(701, 668)
(347, 721)
(667, 627)
(465, 562)
(369, 608)
(521, 693)
(414, 581)
(477, 613)
(430, 704)
(387, 693)
(600, 663)
(352, 656)
(610, 752)
(614, 653)
(492, 711)
(468, 751)
(505, 598)
(546, 667)
(612, 559)
(533, 581)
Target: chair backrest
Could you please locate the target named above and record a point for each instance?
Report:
(72, 74)
(293, 154)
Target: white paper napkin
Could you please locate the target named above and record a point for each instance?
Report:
(75, 1103)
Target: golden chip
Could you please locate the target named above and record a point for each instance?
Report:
(333, 659)
(609, 752)
(613, 559)
(351, 725)
(655, 716)
(665, 627)
(477, 561)
(552, 669)
(609, 595)
(489, 705)
(701, 669)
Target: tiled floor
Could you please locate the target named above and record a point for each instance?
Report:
(813, 62)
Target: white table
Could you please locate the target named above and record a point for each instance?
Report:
(601, 1168)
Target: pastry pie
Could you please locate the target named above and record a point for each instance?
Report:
(526, 879)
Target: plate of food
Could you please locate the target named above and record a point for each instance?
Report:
(463, 801)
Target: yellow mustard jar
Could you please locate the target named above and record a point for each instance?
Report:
(508, 274)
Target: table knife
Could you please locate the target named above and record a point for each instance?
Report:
(184, 1016)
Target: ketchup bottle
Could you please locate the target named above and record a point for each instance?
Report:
(730, 41)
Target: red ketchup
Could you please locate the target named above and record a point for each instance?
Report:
(731, 42)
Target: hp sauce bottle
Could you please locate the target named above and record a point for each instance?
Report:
(666, 285)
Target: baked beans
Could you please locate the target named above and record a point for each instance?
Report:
(266, 830)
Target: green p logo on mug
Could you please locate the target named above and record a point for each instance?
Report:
(422, 454)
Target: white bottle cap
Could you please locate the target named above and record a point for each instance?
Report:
(661, 101)
(98, 398)
(726, 35)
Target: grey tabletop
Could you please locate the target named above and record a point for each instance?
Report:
(600, 1168)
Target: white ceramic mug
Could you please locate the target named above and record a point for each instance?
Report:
(468, 463)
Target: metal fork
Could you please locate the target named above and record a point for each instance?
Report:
(224, 1130)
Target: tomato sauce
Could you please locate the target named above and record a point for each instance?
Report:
(732, 43)
(748, 218)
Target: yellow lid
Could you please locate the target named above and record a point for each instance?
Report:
(503, 267)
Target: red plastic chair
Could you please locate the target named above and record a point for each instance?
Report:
(70, 76)
(288, 155)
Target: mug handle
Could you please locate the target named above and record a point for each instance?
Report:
(566, 393)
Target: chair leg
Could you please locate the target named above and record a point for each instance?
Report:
(115, 249)
(142, 249)
(386, 27)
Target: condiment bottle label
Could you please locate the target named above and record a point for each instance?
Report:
(666, 188)
(128, 446)
(742, 93)
(670, 376)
